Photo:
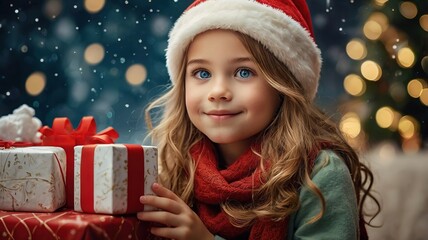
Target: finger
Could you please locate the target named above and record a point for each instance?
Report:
(165, 232)
(161, 217)
(162, 203)
(162, 191)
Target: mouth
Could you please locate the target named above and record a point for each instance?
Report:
(221, 114)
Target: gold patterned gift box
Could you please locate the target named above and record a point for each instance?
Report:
(110, 178)
(32, 179)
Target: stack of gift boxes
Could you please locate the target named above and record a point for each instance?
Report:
(70, 172)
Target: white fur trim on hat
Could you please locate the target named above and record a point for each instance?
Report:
(278, 32)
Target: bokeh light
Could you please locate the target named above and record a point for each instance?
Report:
(423, 21)
(415, 87)
(35, 83)
(371, 70)
(408, 126)
(380, 2)
(385, 117)
(372, 30)
(354, 85)
(408, 10)
(356, 49)
(424, 96)
(350, 124)
(136, 74)
(53, 8)
(424, 64)
(94, 53)
(94, 6)
(405, 57)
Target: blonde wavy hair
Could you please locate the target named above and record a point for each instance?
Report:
(286, 143)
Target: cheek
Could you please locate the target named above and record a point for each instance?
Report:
(192, 100)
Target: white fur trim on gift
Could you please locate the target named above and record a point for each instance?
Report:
(283, 36)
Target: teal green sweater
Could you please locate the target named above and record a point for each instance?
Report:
(340, 219)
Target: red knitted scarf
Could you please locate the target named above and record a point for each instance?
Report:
(236, 183)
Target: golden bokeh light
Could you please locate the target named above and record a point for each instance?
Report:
(385, 117)
(372, 30)
(424, 96)
(408, 126)
(380, 2)
(350, 124)
(408, 10)
(381, 19)
(35, 83)
(94, 6)
(354, 85)
(415, 87)
(94, 53)
(423, 21)
(371, 70)
(136, 74)
(405, 57)
(356, 49)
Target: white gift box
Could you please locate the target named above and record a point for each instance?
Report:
(110, 178)
(32, 179)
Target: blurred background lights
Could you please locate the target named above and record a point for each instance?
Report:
(408, 10)
(405, 57)
(372, 30)
(371, 70)
(424, 64)
(381, 19)
(380, 2)
(424, 96)
(350, 124)
(385, 117)
(415, 87)
(94, 53)
(94, 6)
(376, 24)
(354, 85)
(356, 49)
(423, 21)
(408, 126)
(136, 74)
(35, 83)
(52, 8)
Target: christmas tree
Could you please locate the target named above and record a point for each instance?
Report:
(388, 88)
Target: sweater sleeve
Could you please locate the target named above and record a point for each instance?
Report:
(340, 218)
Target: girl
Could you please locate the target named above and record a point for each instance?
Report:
(244, 152)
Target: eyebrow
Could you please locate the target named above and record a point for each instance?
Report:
(235, 60)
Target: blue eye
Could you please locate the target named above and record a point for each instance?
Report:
(244, 73)
(202, 74)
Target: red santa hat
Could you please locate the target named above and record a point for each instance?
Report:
(284, 27)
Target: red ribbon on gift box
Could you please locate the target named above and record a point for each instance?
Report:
(9, 144)
(135, 185)
(63, 135)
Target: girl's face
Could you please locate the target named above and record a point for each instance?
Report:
(227, 97)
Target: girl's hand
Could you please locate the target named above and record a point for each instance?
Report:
(180, 221)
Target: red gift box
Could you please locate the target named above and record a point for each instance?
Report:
(63, 135)
(70, 225)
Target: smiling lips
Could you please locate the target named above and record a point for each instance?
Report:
(221, 114)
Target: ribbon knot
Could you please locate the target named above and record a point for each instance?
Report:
(85, 133)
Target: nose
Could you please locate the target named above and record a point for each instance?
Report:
(221, 90)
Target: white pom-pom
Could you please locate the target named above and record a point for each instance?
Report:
(20, 126)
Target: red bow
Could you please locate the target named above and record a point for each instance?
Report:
(85, 133)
